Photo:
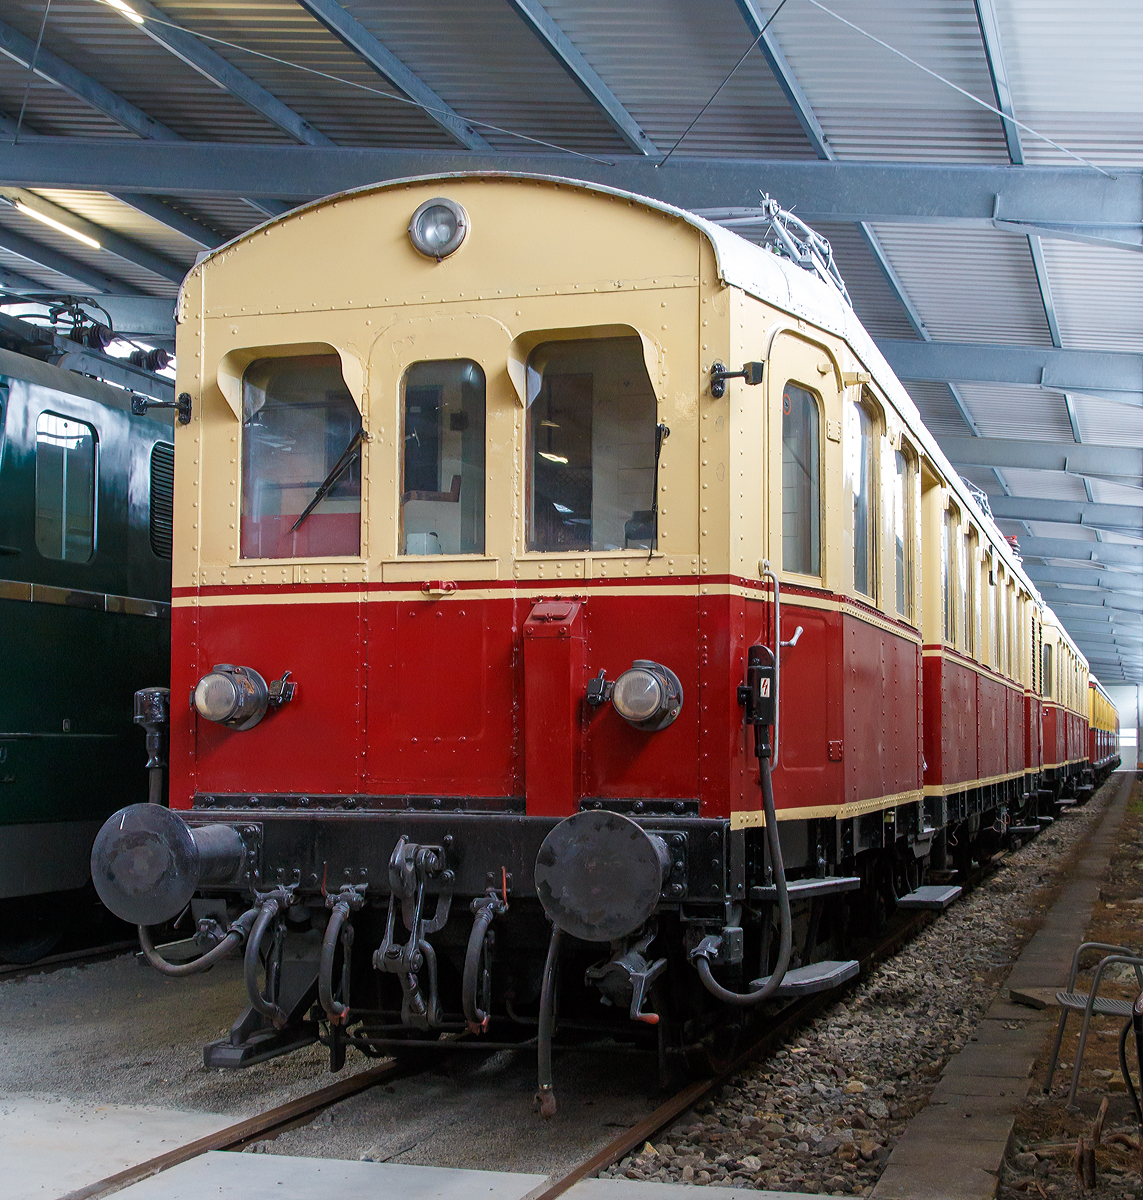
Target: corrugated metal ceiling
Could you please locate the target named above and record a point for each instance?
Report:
(1074, 75)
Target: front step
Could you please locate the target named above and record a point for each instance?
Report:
(808, 889)
(1045, 821)
(1024, 830)
(817, 977)
(932, 896)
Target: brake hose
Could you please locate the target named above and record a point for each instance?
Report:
(709, 945)
(235, 936)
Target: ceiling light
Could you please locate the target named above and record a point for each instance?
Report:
(20, 206)
(125, 9)
(556, 458)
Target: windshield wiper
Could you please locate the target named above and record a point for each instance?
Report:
(352, 451)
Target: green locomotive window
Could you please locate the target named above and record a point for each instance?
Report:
(301, 460)
(591, 446)
(801, 482)
(65, 488)
(442, 461)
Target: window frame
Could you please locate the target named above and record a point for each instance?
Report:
(238, 369)
(910, 507)
(819, 406)
(400, 554)
(96, 457)
(561, 336)
(867, 405)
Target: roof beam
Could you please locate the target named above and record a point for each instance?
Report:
(1097, 461)
(990, 36)
(1040, 366)
(1012, 508)
(1086, 572)
(52, 68)
(63, 264)
(1113, 553)
(108, 239)
(197, 55)
(48, 66)
(784, 74)
(914, 193)
(350, 31)
(13, 281)
(158, 210)
(563, 50)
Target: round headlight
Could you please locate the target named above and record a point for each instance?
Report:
(648, 695)
(233, 696)
(216, 697)
(438, 228)
(637, 695)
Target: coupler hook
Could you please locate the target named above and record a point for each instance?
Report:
(348, 900)
(410, 868)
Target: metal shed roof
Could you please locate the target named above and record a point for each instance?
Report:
(1010, 284)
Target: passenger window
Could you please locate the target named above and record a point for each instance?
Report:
(949, 534)
(971, 593)
(442, 461)
(859, 445)
(1046, 673)
(801, 482)
(591, 446)
(301, 460)
(65, 488)
(903, 532)
(162, 508)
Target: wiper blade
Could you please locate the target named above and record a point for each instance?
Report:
(339, 468)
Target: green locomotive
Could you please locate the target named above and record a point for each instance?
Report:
(85, 587)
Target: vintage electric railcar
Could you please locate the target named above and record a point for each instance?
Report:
(1103, 732)
(490, 583)
(85, 536)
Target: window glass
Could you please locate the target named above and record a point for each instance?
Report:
(801, 482)
(162, 508)
(591, 446)
(949, 536)
(65, 488)
(971, 593)
(1046, 673)
(1002, 629)
(903, 532)
(442, 463)
(859, 475)
(301, 447)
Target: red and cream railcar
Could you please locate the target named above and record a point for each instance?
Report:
(1103, 731)
(474, 536)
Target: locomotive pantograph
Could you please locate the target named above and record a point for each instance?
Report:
(530, 665)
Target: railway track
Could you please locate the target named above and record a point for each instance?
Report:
(74, 958)
(269, 1124)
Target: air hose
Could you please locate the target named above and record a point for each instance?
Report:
(486, 908)
(545, 1097)
(261, 1003)
(236, 935)
(334, 1009)
(709, 946)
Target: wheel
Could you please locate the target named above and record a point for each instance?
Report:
(31, 927)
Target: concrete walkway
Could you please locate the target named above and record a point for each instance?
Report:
(953, 1149)
(50, 1146)
(277, 1177)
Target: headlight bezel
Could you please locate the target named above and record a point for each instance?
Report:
(424, 245)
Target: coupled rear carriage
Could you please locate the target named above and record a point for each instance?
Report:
(490, 581)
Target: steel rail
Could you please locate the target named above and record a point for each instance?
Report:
(233, 1137)
(789, 1021)
(59, 961)
(301, 1111)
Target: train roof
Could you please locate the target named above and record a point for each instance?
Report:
(768, 277)
(20, 366)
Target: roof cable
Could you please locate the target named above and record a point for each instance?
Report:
(31, 73)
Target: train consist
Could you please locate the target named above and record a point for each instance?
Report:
(85, 548)
(533, 667)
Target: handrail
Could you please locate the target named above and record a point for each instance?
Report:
(766, 571)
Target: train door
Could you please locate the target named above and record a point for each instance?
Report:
(804, 403)
(442, 668)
